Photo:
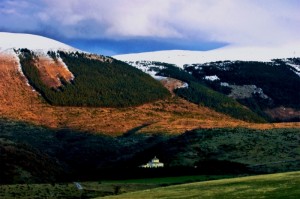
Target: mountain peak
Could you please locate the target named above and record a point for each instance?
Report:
(32, 42)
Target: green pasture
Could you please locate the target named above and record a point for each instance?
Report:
(282, 185)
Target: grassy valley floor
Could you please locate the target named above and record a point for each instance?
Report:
(282, 185)
(95, 189)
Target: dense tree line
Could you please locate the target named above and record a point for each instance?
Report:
(97, 83)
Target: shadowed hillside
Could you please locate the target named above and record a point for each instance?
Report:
(38, 154)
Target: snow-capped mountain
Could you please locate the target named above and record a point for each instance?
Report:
(151, 62)
(265, 79)
(12, 46)
(233, 53)
(65, 76)
(255, 80)
(33, 42)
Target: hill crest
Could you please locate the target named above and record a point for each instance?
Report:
(9, 41)
(232, 53)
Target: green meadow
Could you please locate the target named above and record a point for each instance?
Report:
(282, 185)
(96, 189)
(171, 180)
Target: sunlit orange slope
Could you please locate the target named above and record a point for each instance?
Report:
(18, 101)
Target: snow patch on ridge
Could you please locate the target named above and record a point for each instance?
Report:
(233, 53)
(147, 67)
(295, 67)
(212, 78)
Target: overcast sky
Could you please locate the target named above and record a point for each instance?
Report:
(123, 26)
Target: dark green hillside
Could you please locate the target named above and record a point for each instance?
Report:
(37, 154)
(22, 163)
(96, 83)
(200, 93)
(205, 96)
(268, 151)
(173, 71)
(35, 150)
(277, 79)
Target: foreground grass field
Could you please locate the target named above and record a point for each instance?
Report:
(164, 181)
(282, 185)
(68, 190)
(95, 189)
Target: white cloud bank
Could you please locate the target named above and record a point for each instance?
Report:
(251, 22)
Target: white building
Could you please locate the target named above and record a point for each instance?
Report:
(154, 163)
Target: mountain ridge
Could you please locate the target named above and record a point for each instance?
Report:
(232, 53)
(9, 41)
(172, 115)
(260, 86)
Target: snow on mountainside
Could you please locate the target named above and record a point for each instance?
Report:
(181, 57)
(52, 71)
(242, 73)
(33, 42)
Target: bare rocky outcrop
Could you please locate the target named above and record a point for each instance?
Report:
(171, 84)
(246, 91)
(53, 72)
(284, 113)
(99, 58)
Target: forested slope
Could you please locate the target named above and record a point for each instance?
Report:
(105, 83)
